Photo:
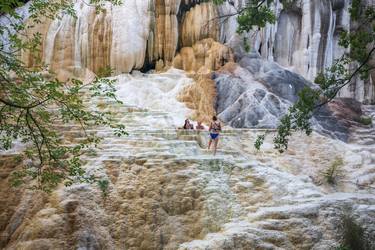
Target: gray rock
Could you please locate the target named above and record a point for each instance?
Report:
(242, 106)
(276, 79)
(258, 93)
(338, 117)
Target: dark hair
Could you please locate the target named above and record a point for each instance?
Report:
(214, 118)
(186, 122)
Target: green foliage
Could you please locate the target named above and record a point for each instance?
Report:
(297, 119)
(365, 120)
(103, 185)
(354, 236)
(288, 4)
(104, 72)
(256, 14)
(332, 173)
(246, 44)
(283, 133)
(344, 70)
(34, 106)
(259, 141)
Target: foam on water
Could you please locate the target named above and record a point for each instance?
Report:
(156, 92)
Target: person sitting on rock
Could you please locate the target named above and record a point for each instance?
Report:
(188, 125)
(215, 128)
(199, 126)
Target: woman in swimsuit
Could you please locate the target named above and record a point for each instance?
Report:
(215, 128)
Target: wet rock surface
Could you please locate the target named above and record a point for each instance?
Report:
(166, 191)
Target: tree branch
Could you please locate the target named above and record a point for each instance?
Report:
(347, 81)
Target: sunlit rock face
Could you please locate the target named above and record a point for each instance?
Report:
(96, 40)
(200, 97)
(203, 57)
(198, 23)
(151, 32)
(163, 36)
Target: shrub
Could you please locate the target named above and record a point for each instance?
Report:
(365, 120)
(246, 45)
(103, 186)
(259, 141)
(105, 72)
(334, 171)
(354, 236)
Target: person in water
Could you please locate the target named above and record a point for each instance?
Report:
(188, 125)
(215, 128)
(199, 126)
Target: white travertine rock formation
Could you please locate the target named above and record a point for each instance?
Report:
(99, 40)
(166, 191)
(305, 35)
(124, 37)
(130, 27)
(305, 40)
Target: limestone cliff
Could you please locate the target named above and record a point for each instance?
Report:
(203, 57)
(126, 37)
(138, 34)
(305, 40)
